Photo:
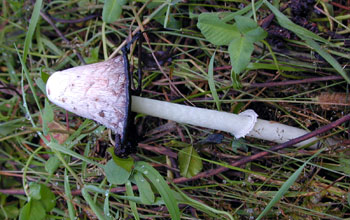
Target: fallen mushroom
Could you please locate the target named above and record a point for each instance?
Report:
(98, 92)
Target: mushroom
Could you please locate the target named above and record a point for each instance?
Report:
(99, 92)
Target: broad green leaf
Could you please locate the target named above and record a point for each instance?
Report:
(250, 29)
(240, 50)
(146, 192)
(34, 190)
(33, 210)
(162, 187)
(245, 24)
(212, 83)
(93, 57)
(10, 211)
(116, 174)
(216, 31)
(52, 164)
(190, 162)
(130, 192)
(256, 35)
(112, 9)
(48, 199)
(126, 163)
(44, 76)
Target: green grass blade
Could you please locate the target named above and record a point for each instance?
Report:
(71, 211)
(97, 210)
(162, 187)
(307, 36)
(130, 192)
(33, 22)
(333, 62)
(284, 188)
(212, 83)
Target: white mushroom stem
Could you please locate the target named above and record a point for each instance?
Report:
(239, 125)
(98, 92)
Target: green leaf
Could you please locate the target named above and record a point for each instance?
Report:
(93, 58)
(40, 83)
(216, 31)
(130, 192)
(116, 174)
(212, 83)
(126, 163)
(44, 76)
(245, 24)
(33, 210)
(190, 162)
(146, 192)
(34, 190)
(48, 198)
(47, 116)
(52, 164)
(334, 63)
(256, 35)
(68, 193)
(308, 36)
(214, 213)
(60, 148)
(32, 25)
(240, 50)
(95, 208)
(284, 188)
(162, 187)
(112, 9)
(285, 22)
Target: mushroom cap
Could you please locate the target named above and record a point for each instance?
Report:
(96, 91)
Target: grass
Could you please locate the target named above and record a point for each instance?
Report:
(293, 183)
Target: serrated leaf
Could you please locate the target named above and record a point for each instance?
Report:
(216, 31)
(112, 9)
(116, 174)
(240, 50)
(162, 187)
(146, 192)
(190, 162)
(250, 29)
(256, 35)
(245, 24)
